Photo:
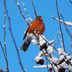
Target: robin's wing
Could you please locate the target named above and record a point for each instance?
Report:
(26, 44)
(29, 28)
(25, 34)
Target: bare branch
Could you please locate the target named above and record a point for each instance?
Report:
(66, 26)
(60, 25)
(70, 1)
(10, 29)
(7, 69)
(34, 8)
(67, 31)
(4, 27)
(21, 12)
(29, 18)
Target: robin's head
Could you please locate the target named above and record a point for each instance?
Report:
(39, 17)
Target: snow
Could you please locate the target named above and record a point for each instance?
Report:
(50, 49)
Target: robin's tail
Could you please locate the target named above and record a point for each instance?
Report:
(26, 44)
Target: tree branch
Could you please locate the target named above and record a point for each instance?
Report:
(7, 69)
(4, 28)
(10, 29)
(21, 12)
(60, 25)
(29, 18)
(34, 8)
(70, 35)
(70, 1)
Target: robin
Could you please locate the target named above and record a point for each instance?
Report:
(37, 26)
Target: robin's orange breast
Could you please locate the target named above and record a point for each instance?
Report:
(38, 26)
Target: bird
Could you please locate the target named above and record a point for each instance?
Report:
(37, 26)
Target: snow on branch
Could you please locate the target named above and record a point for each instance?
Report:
(63, 22)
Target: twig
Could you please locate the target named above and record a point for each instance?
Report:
(60, 25)
(70, 1)
(47, 60)
(7, 69)
(34, 8)
(49, 43)
(66, 26)
(70, 35)
(15, 43)
(21, 12)
(4, 27)
(29, 18)
(65, 22)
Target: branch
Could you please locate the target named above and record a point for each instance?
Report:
(70, 1)
(60, 25)
(34, 8)
(46, 61)
(15, 43)
(66, 26)
(21, 12)
(7, 69)
(29, 18)
(4, 28)
(49, 43)
(68, 23)
(70, 35)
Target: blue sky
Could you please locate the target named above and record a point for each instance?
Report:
(46, 8)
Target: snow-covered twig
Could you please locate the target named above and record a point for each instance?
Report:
(63, 63)
(64, 22)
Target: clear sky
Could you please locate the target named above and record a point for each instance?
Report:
(46, 8)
